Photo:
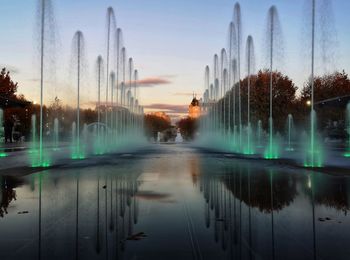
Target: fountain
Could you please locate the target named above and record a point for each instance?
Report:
(56, 135)
(74, 151)
(250, 68)
(259, 135)
(118, 44)
(224, 89)
(272, 151)
(231, 77)
(98, 150)
(290, 129)
(46, 27)
(347, 153)
(112, 82)
(237, 18)
(34, 147)
(111, 27)
(2, 152)
(314, 155)
(78, 56)
(234, 104)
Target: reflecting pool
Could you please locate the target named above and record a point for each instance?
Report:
(174, 202)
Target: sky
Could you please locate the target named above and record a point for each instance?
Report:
(171, 42)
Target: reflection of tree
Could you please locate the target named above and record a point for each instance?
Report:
(232, 193)
(8, 194)
(283, 187)
(330, 191)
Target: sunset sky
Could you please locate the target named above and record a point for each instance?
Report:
(170, 41)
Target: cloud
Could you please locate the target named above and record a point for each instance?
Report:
(168, 108)
(151, 82)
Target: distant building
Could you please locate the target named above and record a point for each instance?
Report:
(194, 110)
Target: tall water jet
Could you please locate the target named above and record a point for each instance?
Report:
(231, 77)
(99, 72)
(136, 78)
(131, 71)
(78, 61)
(211, 114)
(34, 149)
(2, 153)
(313, 154)
(112, 82)
(224, 87)
(47, 41)
(237, 19)
(347, 153)
(223, 66)
(234, 103)
(118, 46)
(272, 151)
(216, 108)
(206, 78)
(290, 127)
(123, 62)
(111, 27)
(56, 134)
(259, 134)
(250, 68)
(74, 152)
(216, 67)
(84, 142)
(206, 98)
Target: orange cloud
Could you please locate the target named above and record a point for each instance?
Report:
(168, 108)
(150, 82)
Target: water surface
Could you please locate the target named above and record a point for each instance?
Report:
(174, 202)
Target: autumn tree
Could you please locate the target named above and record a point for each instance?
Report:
(326, 87)
(284, 96)
(188, 127)
(154, 124)
(8, 88)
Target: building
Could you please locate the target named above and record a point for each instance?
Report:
(194, 110)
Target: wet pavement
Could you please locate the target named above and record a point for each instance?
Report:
(174, 202)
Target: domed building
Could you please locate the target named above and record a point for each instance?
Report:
(194, 110)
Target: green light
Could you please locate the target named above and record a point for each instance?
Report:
(76, 156)
(248, 151)
(290, 149)
(314, 159)
(46, 164)
(41, 165)
(347, 154)
(2, 155)
(271, 152)
(35, 159)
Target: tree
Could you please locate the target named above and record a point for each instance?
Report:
(188, 127)
(284, 96)
(326, 87)
(154, 124)
(8, 88)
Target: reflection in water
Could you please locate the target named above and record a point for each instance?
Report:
(238, 200)
(111, 220)
(200, 206)
(7, 193)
